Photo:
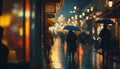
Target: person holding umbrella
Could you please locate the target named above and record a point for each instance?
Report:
(71, 40)
(106, 41)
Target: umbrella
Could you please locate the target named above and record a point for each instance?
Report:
(104, 21)
(50, 22)
(73, 28)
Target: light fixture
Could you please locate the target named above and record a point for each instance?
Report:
(80, 16)
(88, 10)
(110, 3)
(87, 17)
(61, 15)
(75, 7)
(69, 19)
(83, 14)
(91, 8)
(72, 17)
(76, 16)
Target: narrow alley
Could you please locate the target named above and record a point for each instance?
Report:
(85, 58)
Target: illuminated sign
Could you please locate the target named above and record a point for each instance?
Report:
(50, 8)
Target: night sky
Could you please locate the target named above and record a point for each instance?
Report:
(69, 4)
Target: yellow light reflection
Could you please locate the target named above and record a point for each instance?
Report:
(57, 56)
(5, 20)
(21, 31)
(81, 53)
(99, 61)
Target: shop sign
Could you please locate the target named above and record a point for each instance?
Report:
(50, 8)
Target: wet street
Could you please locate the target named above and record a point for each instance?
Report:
(85, 58)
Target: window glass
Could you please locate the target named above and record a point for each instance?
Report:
(12, 21)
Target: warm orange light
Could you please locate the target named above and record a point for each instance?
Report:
(114, 20)
(21, 31)
(5, 20)
(27, 30)
(81, 53)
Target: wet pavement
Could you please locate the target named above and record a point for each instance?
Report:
(85, 58)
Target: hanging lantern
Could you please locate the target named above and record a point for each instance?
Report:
(110, 3)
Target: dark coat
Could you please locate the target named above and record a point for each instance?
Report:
(71, 41)
(4, 51)
(106, 36)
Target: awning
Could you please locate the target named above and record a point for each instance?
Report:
(50, 22)
(113, 12)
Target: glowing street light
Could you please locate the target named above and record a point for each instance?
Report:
(80, 16)
(91, 8)
(83, 14)
(61, 15)
(88, 10)
(72, 17)
(68, 19)
(87, 17)
(75, 7)
(76, 16)
(110, 3)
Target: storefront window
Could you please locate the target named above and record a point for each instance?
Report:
(12, 21)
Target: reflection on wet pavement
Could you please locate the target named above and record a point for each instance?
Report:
(85, 58)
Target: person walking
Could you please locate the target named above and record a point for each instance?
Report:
(48, 44)
(71, 40)
(4, 51)
(48, 40)
(106, 41)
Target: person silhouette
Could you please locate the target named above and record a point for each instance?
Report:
(47, 45)
(106, 41)
(4, 51)
(71, 40)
